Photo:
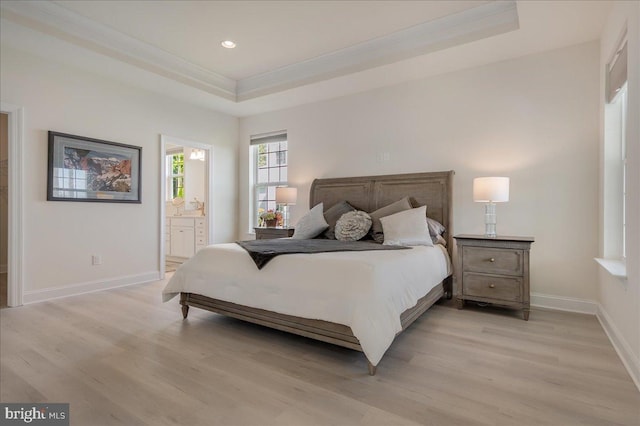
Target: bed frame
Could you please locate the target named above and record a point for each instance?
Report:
(366, 193)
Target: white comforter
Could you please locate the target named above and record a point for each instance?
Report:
(366, 290)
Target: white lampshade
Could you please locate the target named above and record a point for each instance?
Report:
(491, 189)
(286, 195)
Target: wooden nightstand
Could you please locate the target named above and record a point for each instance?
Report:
(270, 233)
(493, 270)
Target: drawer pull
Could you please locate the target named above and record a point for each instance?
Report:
(492, 260)
(492, 286)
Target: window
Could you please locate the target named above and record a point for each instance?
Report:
(175, 175)
(270, 162)
(615, 165)
(615, 175)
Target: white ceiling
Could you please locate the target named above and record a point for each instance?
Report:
(269, 34)
(280, 37)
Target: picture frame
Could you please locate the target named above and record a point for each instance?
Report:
(93, 170)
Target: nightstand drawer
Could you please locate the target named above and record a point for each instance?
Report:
(492, 261)
(492, 287)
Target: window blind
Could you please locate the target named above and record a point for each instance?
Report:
(174, 151)
(280, 136)
(617, 72)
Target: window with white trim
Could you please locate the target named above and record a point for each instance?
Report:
(269, 154)
(615, 164)
(175, 174)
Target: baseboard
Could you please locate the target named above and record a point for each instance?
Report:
(569, 304)
(176, 259)
(630, 361)
(35, 296)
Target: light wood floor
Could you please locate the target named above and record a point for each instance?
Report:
(122, 357)
(170, 266)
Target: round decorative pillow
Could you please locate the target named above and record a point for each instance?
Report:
(352, 226)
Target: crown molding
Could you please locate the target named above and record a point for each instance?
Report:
(472, 24)
(53, 19)
(451, 30)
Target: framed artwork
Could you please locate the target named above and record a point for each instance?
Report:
(85, 169)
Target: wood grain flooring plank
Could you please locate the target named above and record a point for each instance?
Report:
(122, 357)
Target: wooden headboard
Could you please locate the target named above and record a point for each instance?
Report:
(369, 193)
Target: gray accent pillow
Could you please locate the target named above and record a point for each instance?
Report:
(376, 226)
(352, 226)
(439, 240)
(333, 214)
(311, 224)
(435, 228)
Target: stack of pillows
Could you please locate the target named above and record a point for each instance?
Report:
(397, 224)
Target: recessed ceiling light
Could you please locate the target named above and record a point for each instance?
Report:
(228, 44)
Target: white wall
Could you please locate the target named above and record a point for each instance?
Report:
(534, 119)
(60, 237)
(619, 309)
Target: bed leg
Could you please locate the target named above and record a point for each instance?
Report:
(185, 311)
(372, 369)
(448, 287)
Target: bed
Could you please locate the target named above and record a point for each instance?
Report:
(332, 297)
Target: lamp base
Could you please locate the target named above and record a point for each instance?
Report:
(490, 220)
(285, 216)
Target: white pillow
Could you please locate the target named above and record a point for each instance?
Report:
(407, 228)
(311, 224)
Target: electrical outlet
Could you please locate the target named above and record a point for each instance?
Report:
(383, 156)
(96, 259)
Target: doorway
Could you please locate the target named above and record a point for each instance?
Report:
(186, 222)
(15, 128)
(4, 207)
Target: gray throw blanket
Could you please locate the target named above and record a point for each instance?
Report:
(262, 251)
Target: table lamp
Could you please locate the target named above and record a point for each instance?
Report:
(490, 190)
(286, 196)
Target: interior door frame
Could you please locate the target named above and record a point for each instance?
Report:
(209, 212)
(15, 252)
